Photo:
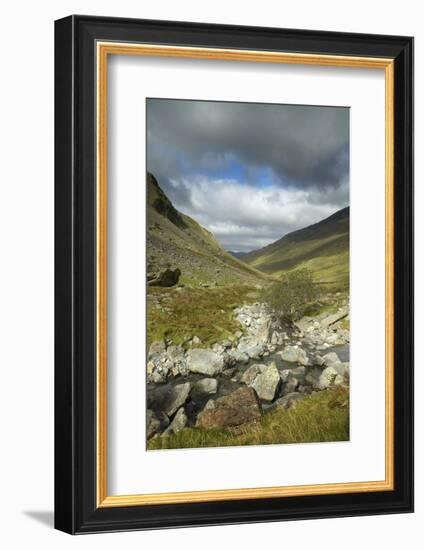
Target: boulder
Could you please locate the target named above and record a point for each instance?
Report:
(267, 382)
(295, 354)
(331, 358)
(175, 398)
(251, 373)
(237, 408)
(251, 348)
(206, 386)
(238, 357)
(332, 376)
(165, 278)
(204, 361)
(178, 423)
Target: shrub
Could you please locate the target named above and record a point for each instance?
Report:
(292, 295)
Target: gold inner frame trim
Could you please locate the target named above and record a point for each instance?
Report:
(104, 49)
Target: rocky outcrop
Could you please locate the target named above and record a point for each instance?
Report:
(165, 278)
(238, 374)
(237, 408)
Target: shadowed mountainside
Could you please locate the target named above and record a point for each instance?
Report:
(174, 240)
(322, 247)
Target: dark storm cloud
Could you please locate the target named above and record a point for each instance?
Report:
(292, 158)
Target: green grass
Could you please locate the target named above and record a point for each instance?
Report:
(323, 416)
(203, 312)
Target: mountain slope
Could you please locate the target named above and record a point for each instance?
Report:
(176, 240)
(323, 248)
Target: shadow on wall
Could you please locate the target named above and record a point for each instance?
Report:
(46, 517)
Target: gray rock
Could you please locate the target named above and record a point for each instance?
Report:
(178, 423)
(256, 352)
(239, 357)
(331, 358)
(250, 374)
(334, 317)
(175, 398)
(204, 361)
(206, 386)
(295, 354)
(331, 376)
(267, 382)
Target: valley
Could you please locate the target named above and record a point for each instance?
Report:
(223, 368)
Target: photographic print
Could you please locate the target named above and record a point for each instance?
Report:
(247, 273)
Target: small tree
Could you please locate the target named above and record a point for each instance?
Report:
(291, 296)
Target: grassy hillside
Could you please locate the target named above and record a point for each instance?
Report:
(323, 248)
(212, 282)
(176, 240)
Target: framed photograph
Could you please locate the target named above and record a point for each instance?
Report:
(234, 269)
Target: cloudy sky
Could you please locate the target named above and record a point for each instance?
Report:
(250, 173)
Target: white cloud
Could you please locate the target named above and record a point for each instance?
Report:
(245, 217)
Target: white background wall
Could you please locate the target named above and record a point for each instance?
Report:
(26, 273)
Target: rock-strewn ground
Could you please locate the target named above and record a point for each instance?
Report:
(259, 368)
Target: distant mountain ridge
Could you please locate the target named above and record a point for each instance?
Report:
(237, 254)
(322, 247)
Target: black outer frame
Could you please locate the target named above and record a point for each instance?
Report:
(75, 275)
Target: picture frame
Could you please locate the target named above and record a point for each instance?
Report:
(83, 45)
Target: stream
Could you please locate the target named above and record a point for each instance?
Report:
(156, 393)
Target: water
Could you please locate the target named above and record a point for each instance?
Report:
(342, 351)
